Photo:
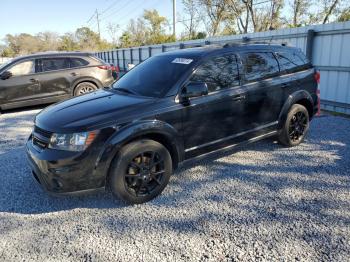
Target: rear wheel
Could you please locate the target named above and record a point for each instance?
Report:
(84, 88)
(141, 171)
(295, 127)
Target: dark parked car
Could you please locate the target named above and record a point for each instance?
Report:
(131, 137)
(50, 77)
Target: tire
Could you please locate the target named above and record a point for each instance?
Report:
(84, 88)
(296, 126)
(133, 178)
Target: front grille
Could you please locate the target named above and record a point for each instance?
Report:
(42, 132)
(41, 137)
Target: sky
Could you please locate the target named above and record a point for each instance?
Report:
(33, 16)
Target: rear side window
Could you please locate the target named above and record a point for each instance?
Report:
(258, 66)
(292, 61)
(51, 64)
(78, 62)
(218, 73)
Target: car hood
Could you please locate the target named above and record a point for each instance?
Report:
(91, 110)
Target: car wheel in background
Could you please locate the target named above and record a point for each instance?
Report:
(295, 127)
(84, 88)
(140, 172)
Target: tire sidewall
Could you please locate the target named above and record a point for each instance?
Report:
(294, 109)
(81, 85)
(120, 163)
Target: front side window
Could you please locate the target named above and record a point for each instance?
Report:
(258, 66)
(51, 64)
(290, 61)
(218, 73)
(23, 68)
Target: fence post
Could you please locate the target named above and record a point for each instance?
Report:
(163, 48)
(140, 55)
(108, 59)
(182, 46)
(117, 57)
(309, 43)
(131, 57)
(149, 51)
(112, 53)
(124, 67)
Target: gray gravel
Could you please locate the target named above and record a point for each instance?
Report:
(264, 202)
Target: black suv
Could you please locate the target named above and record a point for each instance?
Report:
(50, 77)
(170, 108)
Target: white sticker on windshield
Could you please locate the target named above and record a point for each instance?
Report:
(184, 61)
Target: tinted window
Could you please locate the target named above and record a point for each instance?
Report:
(155, 76)
(50, 64)
(258, 66)
(218, 73)
(78, 62)
(290, 61)
(23, 68)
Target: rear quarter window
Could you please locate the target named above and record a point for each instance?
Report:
(78, 62)
(292, 61)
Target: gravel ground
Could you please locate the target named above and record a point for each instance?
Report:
(264, 202)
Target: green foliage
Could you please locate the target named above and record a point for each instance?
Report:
(147, 30)
(344, 16)
(84, 39)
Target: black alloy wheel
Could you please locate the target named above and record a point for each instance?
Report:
(295, 127)
(140, 171)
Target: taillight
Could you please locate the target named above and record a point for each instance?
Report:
(317, 77)
(104, 67)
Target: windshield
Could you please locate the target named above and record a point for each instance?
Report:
(153, 77)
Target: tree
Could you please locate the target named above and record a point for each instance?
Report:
(216, 13)
(112, 30)
(190, 19)
(300, 12)
(344, 15)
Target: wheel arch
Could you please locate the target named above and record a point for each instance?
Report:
(301, 97)
(155, 130)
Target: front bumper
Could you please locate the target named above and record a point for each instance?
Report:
(62, 171)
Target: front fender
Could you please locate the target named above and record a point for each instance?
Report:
(291, 100)
(132, 131)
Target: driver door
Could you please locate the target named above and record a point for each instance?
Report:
(21, 86)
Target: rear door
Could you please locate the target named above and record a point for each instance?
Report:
(264, 88)
(21, 86)
(55, 78)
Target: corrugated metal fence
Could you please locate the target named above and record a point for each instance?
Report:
(328, 47)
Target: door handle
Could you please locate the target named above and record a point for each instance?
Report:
(74, 74)
(33, 80)
(285, 85)
(238, 97)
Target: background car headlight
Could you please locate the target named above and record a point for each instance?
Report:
(72, 142)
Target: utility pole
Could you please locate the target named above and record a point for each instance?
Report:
(98, 25)
(174, 19)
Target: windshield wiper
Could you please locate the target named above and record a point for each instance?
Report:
(126, 90)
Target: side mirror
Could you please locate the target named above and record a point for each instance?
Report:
(6, 75)
(194, 89)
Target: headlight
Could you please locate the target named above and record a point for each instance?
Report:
(72, 142)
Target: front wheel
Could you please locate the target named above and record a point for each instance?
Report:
(295, 127)
(141, 171)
